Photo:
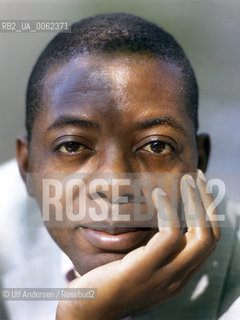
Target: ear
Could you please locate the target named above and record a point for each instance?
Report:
(204, 148)
(22, 156)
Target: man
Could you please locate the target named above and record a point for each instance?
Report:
(120, 71)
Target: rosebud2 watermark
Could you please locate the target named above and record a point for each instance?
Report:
(127, 199)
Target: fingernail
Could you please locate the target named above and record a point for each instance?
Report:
(190, 181)
(159, 191)
(201, 175)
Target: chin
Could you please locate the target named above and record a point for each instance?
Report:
(88, 263)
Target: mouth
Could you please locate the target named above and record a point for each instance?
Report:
(115, 239)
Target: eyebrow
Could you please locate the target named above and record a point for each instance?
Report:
(160, 121)
(64, 121)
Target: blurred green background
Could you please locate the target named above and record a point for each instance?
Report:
(208, 30)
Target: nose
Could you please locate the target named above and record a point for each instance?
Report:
(114, 190)
(114, 179)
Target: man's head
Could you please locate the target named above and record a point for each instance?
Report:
(110, 33)
(117, 95)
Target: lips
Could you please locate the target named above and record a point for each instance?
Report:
(113, 239)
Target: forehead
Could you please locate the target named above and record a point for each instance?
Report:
(111, 84)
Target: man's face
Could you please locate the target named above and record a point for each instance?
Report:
(113, 114)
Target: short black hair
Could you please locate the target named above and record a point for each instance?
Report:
(106, 33)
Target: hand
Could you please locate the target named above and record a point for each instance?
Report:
(157, 271)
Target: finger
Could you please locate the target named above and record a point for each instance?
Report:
(179, 286)
(178, 280)
(176, 283)
(198, 238)
(168, 225)
(195, 215)
(198, 235)
(166, 212)
(207, 200)
(154, 254)
(185, 274)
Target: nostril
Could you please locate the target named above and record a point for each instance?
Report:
(129, 196)
(96, 195)
(125, 198)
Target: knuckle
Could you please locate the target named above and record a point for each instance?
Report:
(173, 235)
(173, 287)
(179, 289)
(205, 240)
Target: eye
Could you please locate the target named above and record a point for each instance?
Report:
(71, 147)
(158, 147)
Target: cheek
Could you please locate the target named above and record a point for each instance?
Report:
(61, 236)
(184, 161)
(171, 186)
(192, 160)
